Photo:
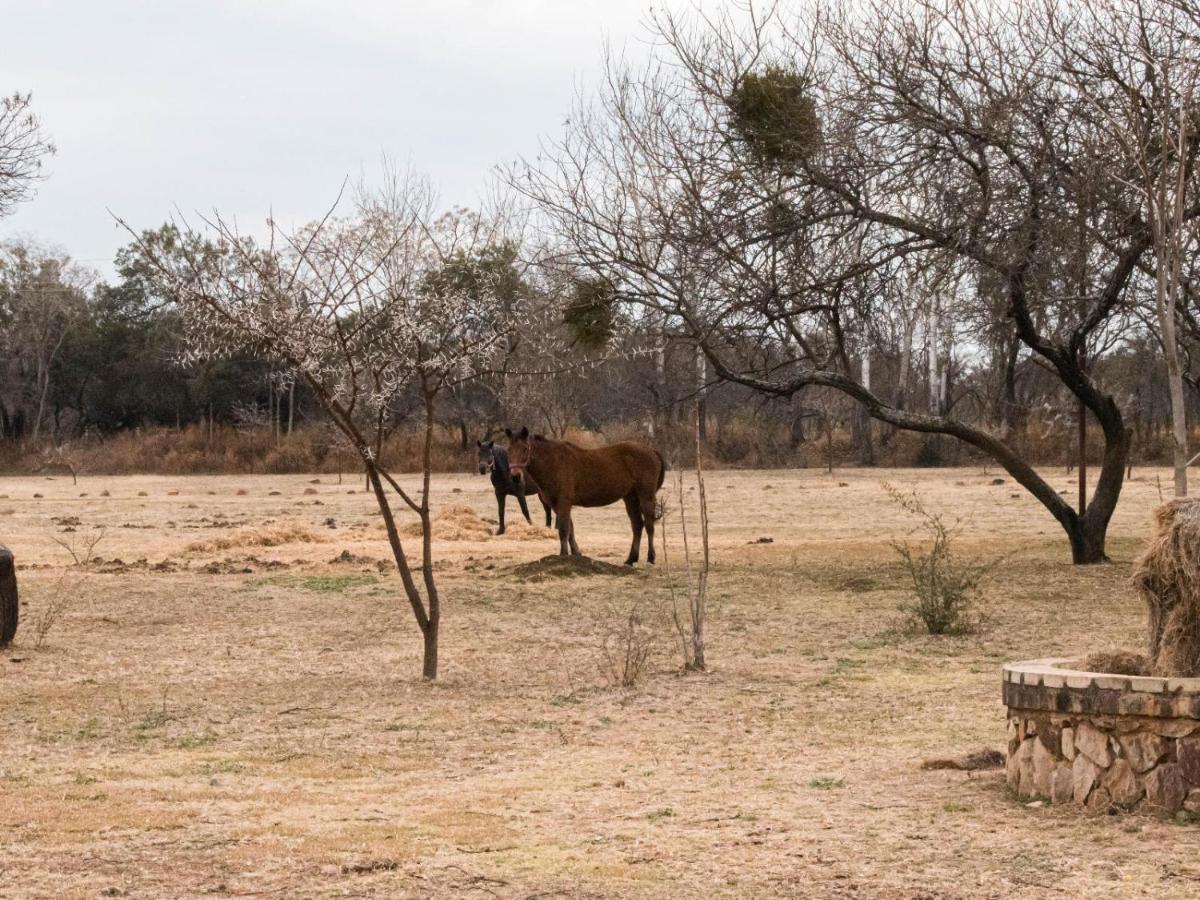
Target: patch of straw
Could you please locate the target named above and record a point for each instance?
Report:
(263, 536)
(1167, 577)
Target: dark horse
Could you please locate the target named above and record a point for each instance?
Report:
(569, 476)
(494, 460)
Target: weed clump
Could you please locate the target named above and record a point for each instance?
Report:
(945, 589)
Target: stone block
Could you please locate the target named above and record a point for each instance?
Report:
(1143, 749)
(1166, 789)
(1191, 802)
(1044, 764)
(1062, 787)
(1187, 752)
(1016, 762)
(1084, 775)
(1174, 728)
(1123, 786)
(1068, 743)
(1093, 743)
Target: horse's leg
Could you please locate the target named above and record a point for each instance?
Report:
(524, 506)
(571, 539)
(564, 528)
(546, 505)
(500, 497)
(648, 510)
(633, 508)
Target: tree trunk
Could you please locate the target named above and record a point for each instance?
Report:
(866, 436)
(935, 379)
(43, 382)
(429, 667)
(1082, 458)
(1179, 430)
(701, 391)
(291, 407)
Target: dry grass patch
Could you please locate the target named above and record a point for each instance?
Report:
(274, 535)
(259, 735)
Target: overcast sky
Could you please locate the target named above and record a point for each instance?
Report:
(246, 105)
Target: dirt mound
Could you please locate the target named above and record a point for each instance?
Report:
(1167, 576)
(263, 536)
(120, 567)
(346, 558)
(566, 567)
(454, 523)
(242, 566)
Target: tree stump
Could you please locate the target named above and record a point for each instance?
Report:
(9, 605)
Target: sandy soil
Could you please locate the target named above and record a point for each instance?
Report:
(221, 708)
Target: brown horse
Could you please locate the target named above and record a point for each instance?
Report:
(572, 476)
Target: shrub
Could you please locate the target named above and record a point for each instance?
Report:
(628, 635)
(945, 590)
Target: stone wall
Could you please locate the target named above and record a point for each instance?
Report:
(1103, 741)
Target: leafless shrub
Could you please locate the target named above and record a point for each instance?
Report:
(81, 545)
(60, 458)
(629, 633)
(48, 608)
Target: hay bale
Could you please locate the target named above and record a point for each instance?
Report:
(1167, 577)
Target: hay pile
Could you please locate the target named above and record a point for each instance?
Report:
(1167, 576)
(461, 523)
(520, 530)
(263, 536)
(455, 523)
(567, 567)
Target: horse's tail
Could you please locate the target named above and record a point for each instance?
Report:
(662, 470)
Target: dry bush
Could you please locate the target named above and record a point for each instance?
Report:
(1167, 577)
(734, 441)
(50, 604)
(262, 536)
(946, 590)
(81, 545)
(628, 633)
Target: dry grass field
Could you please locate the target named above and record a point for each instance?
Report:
(220, 706)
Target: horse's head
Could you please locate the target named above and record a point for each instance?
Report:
(487, 456)
(519, 450)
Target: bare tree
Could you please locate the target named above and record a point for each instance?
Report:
(357, 310)
(23, 149)
(1138, 65)
(43, 296)
(781, 168)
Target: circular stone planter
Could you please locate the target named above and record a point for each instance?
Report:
(1102, 741)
